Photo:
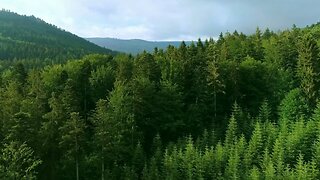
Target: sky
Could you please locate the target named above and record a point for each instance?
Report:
(167, 19)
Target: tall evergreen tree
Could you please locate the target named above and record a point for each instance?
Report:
(72, 132)
(231, 133)
(214, 78)
(308, 69)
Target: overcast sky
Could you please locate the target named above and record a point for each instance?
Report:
(167, 19)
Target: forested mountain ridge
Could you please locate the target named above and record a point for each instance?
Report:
(133, 46)
(28, 37)
(241, 107)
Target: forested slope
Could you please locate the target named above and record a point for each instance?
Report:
(28, 37)
(241, 107)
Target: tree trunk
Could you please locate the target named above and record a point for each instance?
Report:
(215, 102)
(85, 102)
(77, 161)
(102, 169)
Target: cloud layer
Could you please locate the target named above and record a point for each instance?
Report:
(167, 19)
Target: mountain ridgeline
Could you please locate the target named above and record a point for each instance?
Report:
(28, 37)
(133, 46)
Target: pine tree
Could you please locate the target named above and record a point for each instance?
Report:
(189, 159)
(241, 146)
(102, 135)
(220, 161)
(20, 74)
(278, 157)
(253, 154)
(18, 162)
(313, 171)
(157, 150)
(294, 143)
(10, 105)
(70, 97)
(232, 169)
(138, 159)
(293, 106)
(254, 174)
(124, 69)
(258, 50)
(301, 171)
(268, 167)
(154, 170)
(145, 173)
(208, 163)
(265, 112)
(101, 82)
(115, 130)
(170, 165)
(316, 113)
(204, 140)
(147, 67)
(231, 133)
(84, 88)
(308, 69)
(316, 153)
(165, 115)
(243, 121)
(72, 132)
(49, 133)
(213, 77)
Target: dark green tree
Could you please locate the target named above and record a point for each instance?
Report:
(72, 132)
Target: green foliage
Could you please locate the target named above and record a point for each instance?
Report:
(232, 169)
(241, 107)
(308, 69)
(265, 112)
(231, 133)
(293, 106)
(255, 147)
(18, 162)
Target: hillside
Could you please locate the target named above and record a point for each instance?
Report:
(133, 46)
(28, 37)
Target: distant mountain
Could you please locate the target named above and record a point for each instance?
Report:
(133, 46)
(28, 37)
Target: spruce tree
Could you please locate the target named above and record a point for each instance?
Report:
(72, 133)
(278, 158)
(253, 154)
(308, 69)
(231, 133)
(232, 168)
(268, 167)
(301, 170)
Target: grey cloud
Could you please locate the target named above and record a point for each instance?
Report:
(169, 19)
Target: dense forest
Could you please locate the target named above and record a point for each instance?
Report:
(240, 107)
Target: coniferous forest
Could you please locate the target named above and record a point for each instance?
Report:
(239, 107)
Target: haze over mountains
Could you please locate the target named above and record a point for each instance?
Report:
(133, 46)
(28, 37)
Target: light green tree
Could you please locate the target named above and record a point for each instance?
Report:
(18, 162)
